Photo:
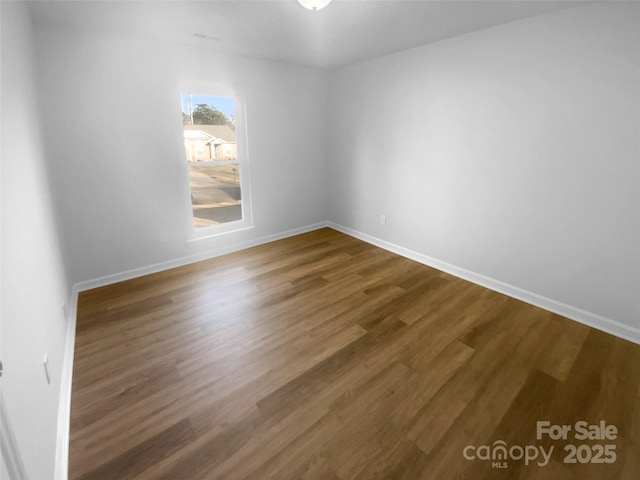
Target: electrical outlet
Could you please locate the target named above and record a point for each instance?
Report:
(383, 219)
(47, 373)
(164, 236)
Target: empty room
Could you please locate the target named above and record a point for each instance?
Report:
(320, 239)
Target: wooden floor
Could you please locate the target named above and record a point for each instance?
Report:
(323, 357)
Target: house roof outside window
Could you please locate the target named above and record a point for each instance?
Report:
(221, 132)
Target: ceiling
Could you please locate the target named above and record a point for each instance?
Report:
(345, 32)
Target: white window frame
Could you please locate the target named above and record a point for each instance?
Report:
(202, 233)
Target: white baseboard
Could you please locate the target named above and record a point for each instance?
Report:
(591, 319)
(64, 407)
(179, 262)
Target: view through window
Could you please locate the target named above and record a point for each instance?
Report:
(212, 159)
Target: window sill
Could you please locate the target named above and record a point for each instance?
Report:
(196, 237)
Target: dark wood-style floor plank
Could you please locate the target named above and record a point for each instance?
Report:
(323, 357)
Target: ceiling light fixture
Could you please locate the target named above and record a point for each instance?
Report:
(314, 4)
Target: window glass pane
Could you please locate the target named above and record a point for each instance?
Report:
(215, 194)
(211, 154)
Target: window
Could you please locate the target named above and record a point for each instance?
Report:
(211, 154)
(199, 150)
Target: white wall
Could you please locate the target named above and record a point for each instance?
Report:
(511, 152)
(34, 283)
(113, 124)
